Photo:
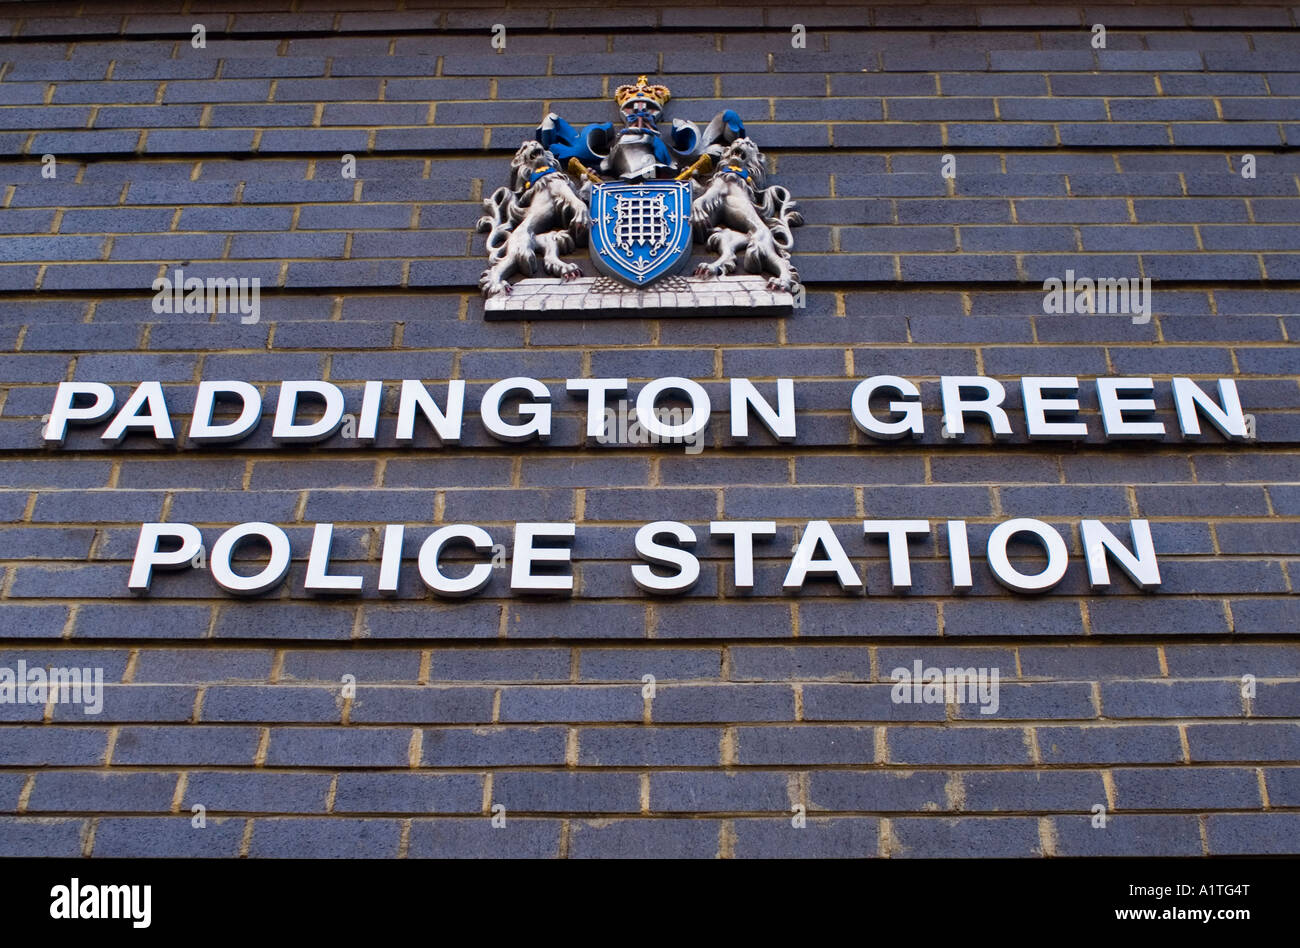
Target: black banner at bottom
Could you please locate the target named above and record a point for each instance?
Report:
(336, 897)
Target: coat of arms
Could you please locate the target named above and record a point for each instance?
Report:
(640, 196)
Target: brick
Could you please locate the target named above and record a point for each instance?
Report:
(1034, 702)
(203, 665)
(25, 836)
(252, 704)
(1175, 699)
(884, 239)
(85, 582)
(1036, 618)
(1283, 785)
(764, 663)
(863, 703)
(302, 191)
(717, 792)
(28, 222)
(298, 474)
(1076, 210)
(628, 665)
(236, 218)
(243, 90)
(1243, 742)
(965, 837)
(537, 792)
(850, 469)
(85, 142)
(280, 246)
(1132, 744)
(316, 838)
(1186, 788)
(476, 506)
(453, 838)
(426, 621)
(493, 746)
(1201, 266)
(47, 544)
(877, 791)
(167, 837)
(886, 502)
(1120, 617)
(700, 471)
(1286, 500)
(649, 747)
(556, 472)
(697, 621)
(850, 837)
(137, 69)
(185, 141)
(651, 363)
(112, 664)
(145, 704)
(339, 747)
(1277, 700)
(745, 503)
(360, 506)
(723, 703)
(130, 367)
(173, 474)
(1223, 500)
(1032, 791)
(956, 745)
(25, 368)
(571, 703)
(988, 267)
(1247, 537)
(304, 621)
(424, 705)
(172, 192)
(449, 471)
(1262, 661)
(1110, 661)
(647, 838)
(332, 217)
(367, 666)
(806, 744)
(187, 744)
(509, 664)
(11, 785)
(408, 793)
(1255, 833)
(575, 620)
(873, 618)
(56, 746)
(1128, 835)
(72, 792)
(18, 277)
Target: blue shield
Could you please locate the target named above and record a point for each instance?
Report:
(640, 231)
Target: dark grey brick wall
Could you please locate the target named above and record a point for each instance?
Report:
(1122, 161)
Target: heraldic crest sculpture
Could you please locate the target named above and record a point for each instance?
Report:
(640, 196)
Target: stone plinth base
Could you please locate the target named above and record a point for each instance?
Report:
(587, 297)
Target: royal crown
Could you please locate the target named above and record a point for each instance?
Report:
(642, 90)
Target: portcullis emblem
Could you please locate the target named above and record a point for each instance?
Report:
(643, 197)
(640, 231)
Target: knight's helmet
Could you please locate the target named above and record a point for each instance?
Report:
(635, 149)
(639, 149)
(642, 97)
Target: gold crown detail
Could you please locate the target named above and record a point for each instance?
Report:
(642, 90)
